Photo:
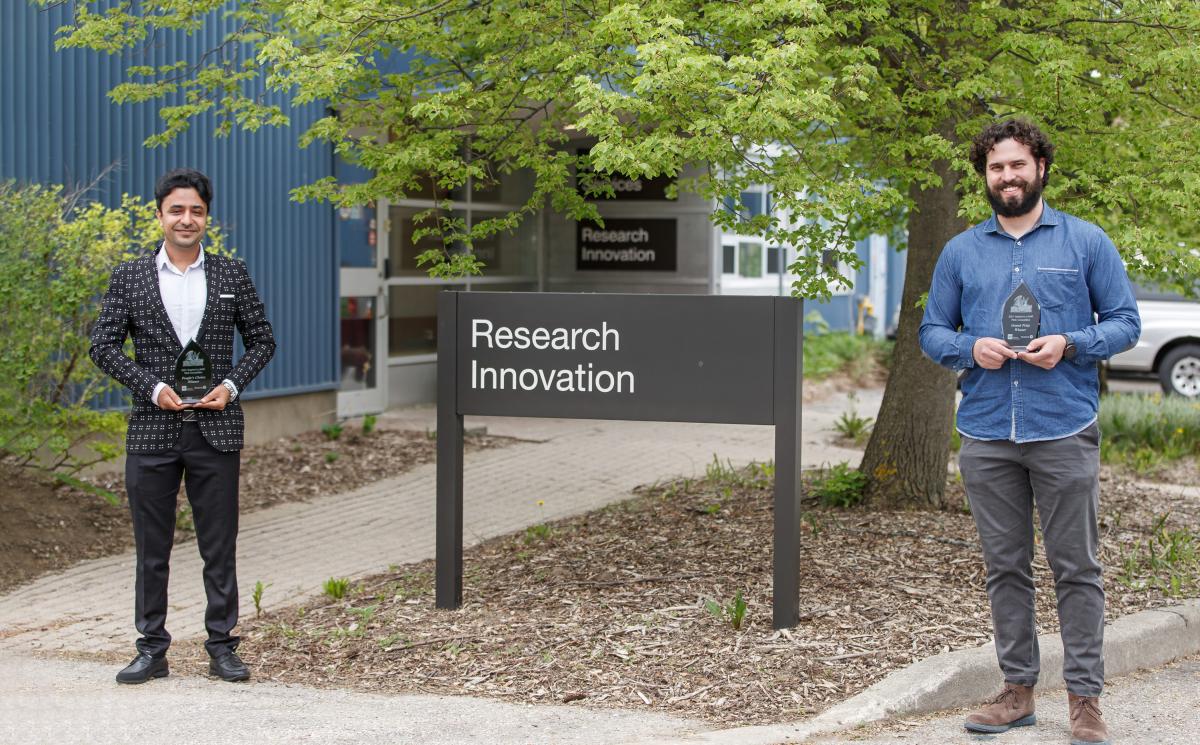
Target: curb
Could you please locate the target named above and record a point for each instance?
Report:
(968, 676)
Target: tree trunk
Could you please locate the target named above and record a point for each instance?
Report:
(909, 449)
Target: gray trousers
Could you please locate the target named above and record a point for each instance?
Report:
(1004, 479)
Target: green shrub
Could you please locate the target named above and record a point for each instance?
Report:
(830, 353)
(841, 486)
(734, 612)
(56, 255)
(336, 587)
(1169, 561)
(257, 596)
(1144, 431)
(852, 426)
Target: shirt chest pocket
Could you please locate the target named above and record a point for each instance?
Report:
(1057, 285)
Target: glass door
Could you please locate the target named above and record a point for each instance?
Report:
(362, 317)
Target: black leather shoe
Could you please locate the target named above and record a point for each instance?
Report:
(228, 667)
(143, 668)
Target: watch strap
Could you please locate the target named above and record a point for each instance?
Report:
(1069, 350)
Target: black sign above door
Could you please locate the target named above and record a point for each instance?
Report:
(626, 244)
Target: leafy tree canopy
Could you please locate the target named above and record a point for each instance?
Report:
(842, 106)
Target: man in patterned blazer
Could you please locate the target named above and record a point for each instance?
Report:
(163, 300)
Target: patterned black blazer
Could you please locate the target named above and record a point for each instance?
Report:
(133, 307)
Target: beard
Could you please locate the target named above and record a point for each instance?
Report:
(1030, 195)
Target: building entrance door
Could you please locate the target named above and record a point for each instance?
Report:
(362, 318)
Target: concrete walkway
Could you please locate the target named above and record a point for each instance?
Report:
(574, 466)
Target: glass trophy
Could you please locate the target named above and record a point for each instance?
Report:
(193, 374)
(1020, 318)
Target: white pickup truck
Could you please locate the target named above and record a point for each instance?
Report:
(1169, 346)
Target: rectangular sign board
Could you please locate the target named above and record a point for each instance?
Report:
(645, 357)
(679, 358)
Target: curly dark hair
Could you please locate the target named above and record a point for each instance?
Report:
(183, 178)
(1021, 130)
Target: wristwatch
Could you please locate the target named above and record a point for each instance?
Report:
(233, 391)
(1069, 350)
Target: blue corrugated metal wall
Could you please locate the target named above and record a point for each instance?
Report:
(58, 126)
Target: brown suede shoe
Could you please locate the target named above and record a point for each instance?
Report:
(1012, 708)
(1087, 722)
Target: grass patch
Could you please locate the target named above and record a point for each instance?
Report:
(1168, 560)
(1144, 432)
(829, 353)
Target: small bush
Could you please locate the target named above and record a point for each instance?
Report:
(56, 255)
(336, 588)
(852, 426)
(1145, 431)
(842, 486)
(57, 252)
(733, 612)
(537, 533)
(257, 596)
(831, 353)
(332, 431)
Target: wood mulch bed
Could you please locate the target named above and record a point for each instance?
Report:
(614, 608)
(47, 528)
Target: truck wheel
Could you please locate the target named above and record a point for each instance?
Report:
(1179, 372)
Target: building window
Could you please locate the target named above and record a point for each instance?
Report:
(510, 259)
(403, 250)
(750, 259)
(746, 261)
(775, 260)
(832, 266)
(412, 319)
(754, 202)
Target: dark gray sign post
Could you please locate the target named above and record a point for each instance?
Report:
(680, 358)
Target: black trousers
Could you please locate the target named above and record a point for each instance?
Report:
(152, 481)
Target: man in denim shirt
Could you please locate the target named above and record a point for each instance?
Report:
(1028, 418)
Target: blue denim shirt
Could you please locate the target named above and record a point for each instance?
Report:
(1079, 281)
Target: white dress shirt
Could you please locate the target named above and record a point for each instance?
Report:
(184, 294)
